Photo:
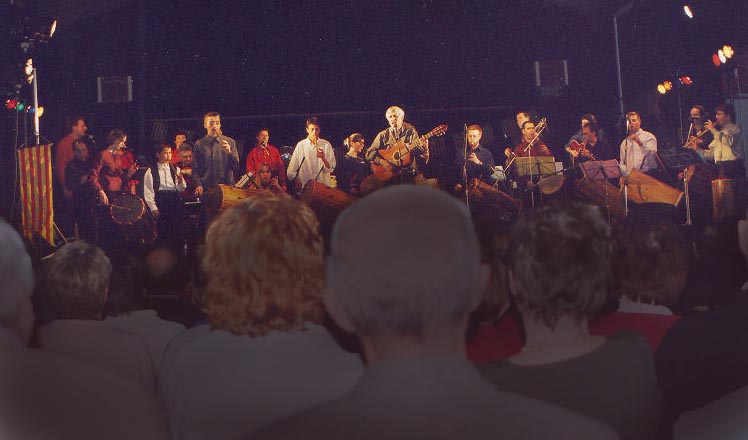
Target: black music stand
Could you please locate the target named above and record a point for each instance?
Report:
(601, 170)
(679, 159)
(535, 166)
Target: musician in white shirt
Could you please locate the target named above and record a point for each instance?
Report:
(639, 149)
(164, 176)
(317, 155)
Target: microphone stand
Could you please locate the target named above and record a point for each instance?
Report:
(464, 170)
(303, 158)
(528, 150)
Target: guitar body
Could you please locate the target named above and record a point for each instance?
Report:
(398, 156)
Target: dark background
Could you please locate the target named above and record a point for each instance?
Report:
(272, 63)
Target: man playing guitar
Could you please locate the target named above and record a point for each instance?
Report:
(399, 131)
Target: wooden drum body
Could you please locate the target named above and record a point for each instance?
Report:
(221, 197)
(487, 200)
(603, 194)
(129, 214)
(729, 198)
(646, 189)
(326, 202)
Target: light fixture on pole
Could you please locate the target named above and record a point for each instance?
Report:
(688, 11)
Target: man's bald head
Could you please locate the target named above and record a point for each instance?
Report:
(404, 259)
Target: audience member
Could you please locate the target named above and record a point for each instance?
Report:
(45, 396)
(264, 354)
(125, 305)
(703, 357)
(558, 274)
(78, 279)
(410, 312)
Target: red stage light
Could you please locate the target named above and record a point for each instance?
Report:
(11, 104)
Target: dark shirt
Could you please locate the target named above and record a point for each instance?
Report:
(601, 150)
(212, 164)
(539, 149)
(474, 170)
(78, 180)
(350, 172)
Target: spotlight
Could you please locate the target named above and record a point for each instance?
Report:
(727, 50)
(11, 104)
(687, 10)
(716, 60)
(668, 85)
(41, 110)
(52, 29)
(28, 69)
(20, 106)
(685, 80)
(661, 88)
(721, 56)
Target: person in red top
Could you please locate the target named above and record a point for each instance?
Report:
(110, 177)
(64, 150)
(528, 134)
(262, 153)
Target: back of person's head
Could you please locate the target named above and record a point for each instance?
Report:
(560, 261)
(405, 260)
(78, 280)
(166, 272)
(126, 285)
(17, 283)
(650, 260)
(264, 266)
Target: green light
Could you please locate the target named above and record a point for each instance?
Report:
(20, 106)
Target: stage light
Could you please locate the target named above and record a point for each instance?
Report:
(722, 57)
(30, 79)
(11, 104)
(687, 10)
(661, 88)
(685, 80)
(52, 29)
(20, 106)
(668, 85)
(727, 50)
(41, 110)
(715, 60)
(28, 69)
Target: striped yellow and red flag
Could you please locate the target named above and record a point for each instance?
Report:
(35, 165)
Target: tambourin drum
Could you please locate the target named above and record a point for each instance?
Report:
(487, 200)
(603, 194)
(729, 198)
(326, 202)
(551, 184)
(218, 198)
(700, 178)
(126, 209)
(129, 213)
(646, 189)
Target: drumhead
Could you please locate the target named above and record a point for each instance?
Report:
(126, 209)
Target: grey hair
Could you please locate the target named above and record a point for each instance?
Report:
(404, 260)
(15, 271)
(396, 109)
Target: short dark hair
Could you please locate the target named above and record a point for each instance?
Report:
(77, 280)
(211, 114)
(114, 135)
(312, 120)
(700, 108)
(185, 147)
(529, 121)
(590, 117)
(728, 109)
(126, 285)
(72, 121)
(158, 148)
(592, 125)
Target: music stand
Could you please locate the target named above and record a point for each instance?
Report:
(679, 159)
(536, 166)
(601, 170)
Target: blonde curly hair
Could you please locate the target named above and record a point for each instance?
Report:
(265, 267)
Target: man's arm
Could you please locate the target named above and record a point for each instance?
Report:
(149, 194)
(198, 165)
(294, 162)
(376, 145)
(329, 156)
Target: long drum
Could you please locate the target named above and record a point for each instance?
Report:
(326, 202)
(646, 189)
(221, 197)
(729, 198)
(487, 200)
(602, 194)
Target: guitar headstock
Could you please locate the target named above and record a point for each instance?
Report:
(438, 131)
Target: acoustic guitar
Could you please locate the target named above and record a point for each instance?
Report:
(398, 156)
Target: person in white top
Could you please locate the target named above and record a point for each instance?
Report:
(639, 149)
(264, 354)
(726, 150)
(164, 176)
(312, 159)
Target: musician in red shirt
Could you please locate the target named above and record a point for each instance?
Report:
(263, 153)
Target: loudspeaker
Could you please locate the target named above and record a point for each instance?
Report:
(114, 88)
